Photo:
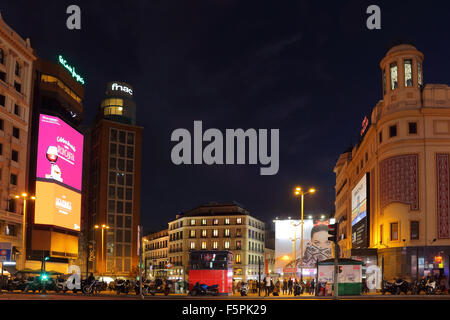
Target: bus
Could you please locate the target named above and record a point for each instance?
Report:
(210, 268)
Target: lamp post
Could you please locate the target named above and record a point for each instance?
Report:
(299, 192)
(25, 197)
(103, 227)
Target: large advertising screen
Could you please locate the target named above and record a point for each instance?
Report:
(58, 206)
(60, 152)
(58, 174)
(360, 208)
(316, 246)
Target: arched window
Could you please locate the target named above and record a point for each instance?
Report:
(17, 69)
(2, 56)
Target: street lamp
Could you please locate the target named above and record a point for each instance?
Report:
(25, 197)
(103, 227)
(299, 192)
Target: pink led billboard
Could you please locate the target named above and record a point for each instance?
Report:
(60, 152)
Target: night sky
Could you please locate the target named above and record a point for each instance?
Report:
(308, 68)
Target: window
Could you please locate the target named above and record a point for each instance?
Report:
(129, 165)
(192, 245)
(203, 245)
(192, 233)
(384, 82)
(16, 110)
(239, 221)
(111, 206)
(408, 73)
(227, 221)
(419, 72)
(238, 245)
(16, 132)
(10, 230)
(130, 152)
(227, 245)
(226, 232)
(17, 69)
(362, 163)
(1, 149)
(122, 136)
(112, 177)
(412, 127)
(381, 233)
(215, 245)
(393, 131)
(113, 149)
(380, 137)
(215, 233)
(204, 234)
(238, 258)
(15, 156)
(12, 205)
(113, 135)
(367, 157)
(62, 85)
(238, 233)
(112, 163)
(2, 76)
(2, 56)
(414, 230)
(130, 138)
(18, 87)
(216, 221)
(129, 179)
(394, 231)
(13, 180)
(203, 222)
(1, 124)
(129, 194)
(2, 100)
(394, 76)
(192, 222)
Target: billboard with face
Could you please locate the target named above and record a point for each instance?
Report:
(60, 152)
(58, 174)
(360, 213)
(316, 246)
(57, 206)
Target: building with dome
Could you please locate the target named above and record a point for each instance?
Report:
(393, 186)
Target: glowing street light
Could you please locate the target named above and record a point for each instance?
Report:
(103, 227)
(25, 197)
(299, 192)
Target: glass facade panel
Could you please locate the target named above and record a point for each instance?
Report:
(408, 73)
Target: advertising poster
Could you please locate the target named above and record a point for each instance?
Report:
(57, 206)
(360, 209)
(316, 246)
(60, 152)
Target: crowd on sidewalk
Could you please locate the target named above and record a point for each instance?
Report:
(283, 286)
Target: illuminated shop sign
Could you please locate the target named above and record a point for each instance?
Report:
(71, 69)
(117, 87)
(360, 213)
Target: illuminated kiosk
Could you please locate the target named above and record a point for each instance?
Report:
(349, 277)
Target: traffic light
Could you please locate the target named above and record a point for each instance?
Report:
(332, 232)
(46, 258)
(44, 277)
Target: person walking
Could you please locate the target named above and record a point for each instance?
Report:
(290, 286)
(267, 282)
(313, 282)
(285, 286)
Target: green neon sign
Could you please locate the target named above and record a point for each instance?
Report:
(71, 69)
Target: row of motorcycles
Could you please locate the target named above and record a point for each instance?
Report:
(428, 286)
(120, 286)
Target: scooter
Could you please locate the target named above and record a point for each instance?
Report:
(244, 289)
(388, 287)
(204, 289)
(400, 286)
(122, 286)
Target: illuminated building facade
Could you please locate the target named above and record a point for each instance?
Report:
(217, 227)
(392, 188)
(113, 172)
(156, 250)
(16, 82)
(53, 219)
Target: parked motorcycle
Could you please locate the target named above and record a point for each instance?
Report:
(146, 287)
(419, 286)
(244, 289)
(122, 286)
(15, 284)
(388, 287)
(431, 286)
(32, 284)
(298, 289)
(158, 286)
(204, 289)
(93, 287)
(400, 286)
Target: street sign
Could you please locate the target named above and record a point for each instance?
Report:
(169, 265)
(5, 251)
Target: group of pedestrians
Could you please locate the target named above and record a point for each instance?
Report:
(283, 286)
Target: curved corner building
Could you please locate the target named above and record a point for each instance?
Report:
(393, 186)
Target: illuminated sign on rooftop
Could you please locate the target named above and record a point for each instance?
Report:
(71, 69)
